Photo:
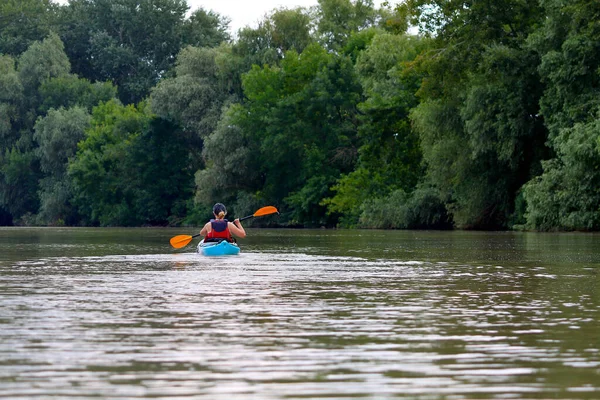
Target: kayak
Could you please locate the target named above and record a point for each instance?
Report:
(222, 248)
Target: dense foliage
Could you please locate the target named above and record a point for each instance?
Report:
(140, 112)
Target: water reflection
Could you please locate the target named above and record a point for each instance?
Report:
(303, 318)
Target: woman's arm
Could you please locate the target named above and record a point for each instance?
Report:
(205, 229)
(237, 229)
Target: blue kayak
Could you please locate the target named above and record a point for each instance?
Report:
(222, 248)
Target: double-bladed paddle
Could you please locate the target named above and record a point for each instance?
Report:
(180, 241)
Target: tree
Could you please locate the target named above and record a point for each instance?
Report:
(18, 187)
(131, 168)
(339, 19)
(204, 29)
(205, 80)
(279, 32)
(19, 164)
(57, 135)
(131, 43)
(232, 161)
(23, 22)
(69, 91)
(389, 155)
(162, 172)
(202, 84)
(42, 61)
(11, 102)
(478, 118)
(296, 134)
(566, 195)
(102, 185)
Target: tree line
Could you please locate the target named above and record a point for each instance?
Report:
(428, 114)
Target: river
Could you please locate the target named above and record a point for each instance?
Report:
(299, 314)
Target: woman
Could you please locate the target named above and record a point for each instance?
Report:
(219, 228)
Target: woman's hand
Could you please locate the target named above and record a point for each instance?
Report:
(237, 229)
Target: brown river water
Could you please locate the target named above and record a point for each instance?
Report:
(299, 314)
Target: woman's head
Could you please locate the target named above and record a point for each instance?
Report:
(219, 210)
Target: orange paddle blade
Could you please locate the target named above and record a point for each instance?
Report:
(180, 241)
(265, 211)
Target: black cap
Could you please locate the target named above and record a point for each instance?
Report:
(217, 208)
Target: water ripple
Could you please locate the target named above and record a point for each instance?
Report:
(293, 325)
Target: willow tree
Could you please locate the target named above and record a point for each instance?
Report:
(57, 135)
(19, 165)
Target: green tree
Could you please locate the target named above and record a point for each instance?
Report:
(131, 169)
(232, 164)
(19, 164)
(69, 91)
(337, 20)
(389, 155)
(478, 118)
(11, 102)
(204, 29)
(131, 43)
(102, 183)
(280, 31)
(163, 174)
(421, 209)
(202, 84)
(57, 135)
(23, 22)
(566, 195)
(42, 61)
(205, 81)
(18, 188)
(296, 133)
